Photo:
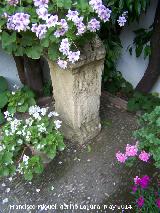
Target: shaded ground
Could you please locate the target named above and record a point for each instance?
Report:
(81, 175)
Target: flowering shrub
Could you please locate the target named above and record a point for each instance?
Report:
(40, 132)
(132, 152)
(149, 134)
(38, 27)
(147, 197)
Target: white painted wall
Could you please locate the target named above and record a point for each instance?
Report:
(132, 67)
(8, 69)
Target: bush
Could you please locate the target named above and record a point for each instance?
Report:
(147, 196)
(149, 134)
(52, 28)
(39, 131)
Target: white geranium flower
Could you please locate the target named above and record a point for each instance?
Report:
(7, 114)
(53, 114)
(10, 178)
(5, 200)
(43, 111)
(8, 190)
(19, 133)
(20, 141)
(2, 147)
(25, 159)
(38, 190)
(58, 124)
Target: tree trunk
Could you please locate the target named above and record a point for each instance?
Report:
(153, 69)
(19, 60)
(34, 78)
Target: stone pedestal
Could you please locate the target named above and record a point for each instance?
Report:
(77, 93)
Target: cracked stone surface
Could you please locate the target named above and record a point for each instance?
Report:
(84, 175)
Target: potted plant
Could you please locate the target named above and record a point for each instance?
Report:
(59, 30)
(40, 132)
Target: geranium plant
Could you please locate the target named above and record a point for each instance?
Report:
(55, 28)
(147, 194)
(40, 132)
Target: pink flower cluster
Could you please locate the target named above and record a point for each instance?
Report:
(142, 182)
(65, 50)
(140, 202)
(20, 22)
(132, 151)
(13, 2)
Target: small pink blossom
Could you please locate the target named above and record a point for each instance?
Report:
(144, 156)
(144, 181)
(134, 189)
(158, 202)
(140, 202)
(131, 150)
(121, 157)
(137, 180)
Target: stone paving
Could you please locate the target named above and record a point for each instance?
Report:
(80, 177)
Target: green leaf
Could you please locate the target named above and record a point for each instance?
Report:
(11, 109)
(3, 100)
(53, 52)
(34, 52)
(1, 118)
(22, 108)
(8, 39)
(139, 50)
(61, 146)
(28, 175)
(3, 84)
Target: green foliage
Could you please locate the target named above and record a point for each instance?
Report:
(3, 96)
(149, 134)
(20, 100)
(113, 80)
(48, 89)
(142, 42)
(116, 84)
(38, 132)
(144, 102)
(150, 194)
(3, 84)
(34, 166)
(134, 7)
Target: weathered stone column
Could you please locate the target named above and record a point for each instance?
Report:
(77, 93)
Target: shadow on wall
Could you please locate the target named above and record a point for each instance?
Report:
(131, 67)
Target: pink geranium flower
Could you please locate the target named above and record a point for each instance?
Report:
(121, 157)
(144, 181)
(144, 156)
(137, 180)
(158, 202)
(134, 189)
(131, 150)
(140, 202)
